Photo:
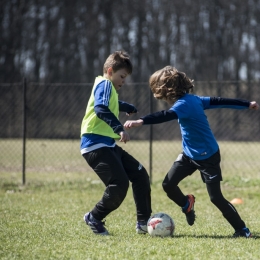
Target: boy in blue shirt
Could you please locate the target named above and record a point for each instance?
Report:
(114, 166)
(200, 148)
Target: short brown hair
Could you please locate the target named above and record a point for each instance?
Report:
(118, 60)
(170, 84)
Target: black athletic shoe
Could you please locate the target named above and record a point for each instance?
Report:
(96, 226)
(244, 232)
(190, 212)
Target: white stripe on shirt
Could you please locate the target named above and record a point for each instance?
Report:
(94, 147)
(107, 93)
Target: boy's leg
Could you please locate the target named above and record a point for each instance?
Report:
(228, 210)
(180, 169)
(110, 170)
(139, 178)
(211, 174)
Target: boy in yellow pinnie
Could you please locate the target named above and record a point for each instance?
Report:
(113, 165)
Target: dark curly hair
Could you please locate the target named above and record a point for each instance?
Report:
(169, 84)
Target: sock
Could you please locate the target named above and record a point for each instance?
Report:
(186, 206)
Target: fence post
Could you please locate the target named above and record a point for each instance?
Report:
(24, 128)
(151, 141)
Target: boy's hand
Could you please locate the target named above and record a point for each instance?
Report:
(124, 137)
(253, 105)
(133, 123)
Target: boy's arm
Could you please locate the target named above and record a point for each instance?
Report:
(218, 102)
(159, 117)
(104, 113)
(155, 118)
(102, 97)
(125, 107)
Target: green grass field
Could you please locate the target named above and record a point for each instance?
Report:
(44, 218)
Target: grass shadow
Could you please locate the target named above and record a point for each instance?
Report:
(255, 236)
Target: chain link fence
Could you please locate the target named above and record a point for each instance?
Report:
(40, 129)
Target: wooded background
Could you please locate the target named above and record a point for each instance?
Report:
(59, 47)
(68, 41)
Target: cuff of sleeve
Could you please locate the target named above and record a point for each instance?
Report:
(144, 121)
(134, 111)
(118, 129)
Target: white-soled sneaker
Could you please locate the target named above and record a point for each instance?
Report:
(141, 227)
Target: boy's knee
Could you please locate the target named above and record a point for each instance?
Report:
(114, 195)
(166, 187)
(141, 178)
(145, 178)
(217, 199)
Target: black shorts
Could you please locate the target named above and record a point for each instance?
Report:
(209, 168)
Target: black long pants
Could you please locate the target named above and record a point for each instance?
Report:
(115, 167)
(211, 175)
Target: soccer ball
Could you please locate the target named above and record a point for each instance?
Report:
(161, 225)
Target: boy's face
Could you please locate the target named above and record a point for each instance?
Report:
(117, 78)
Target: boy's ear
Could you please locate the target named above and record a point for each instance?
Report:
(110, 71)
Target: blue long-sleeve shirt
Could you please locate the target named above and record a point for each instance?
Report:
(198, 141)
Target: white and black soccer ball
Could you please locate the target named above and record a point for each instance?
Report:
(161, 225)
